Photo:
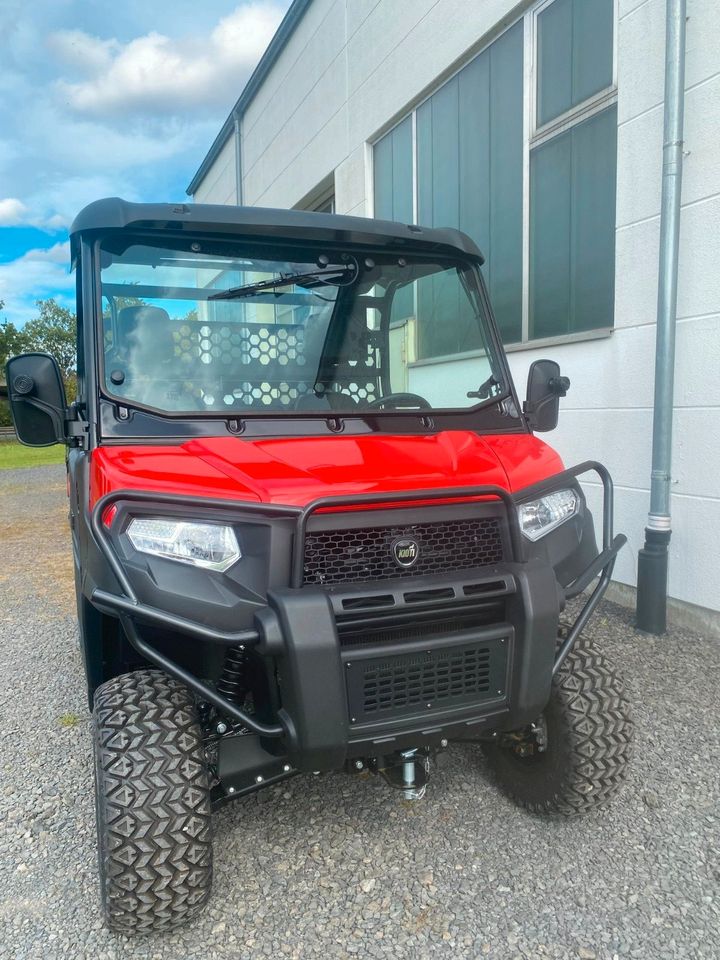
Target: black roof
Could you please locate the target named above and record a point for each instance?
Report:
(116, 214)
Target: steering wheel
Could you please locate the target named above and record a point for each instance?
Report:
(401, 400)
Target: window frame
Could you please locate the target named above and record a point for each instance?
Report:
(533, 136)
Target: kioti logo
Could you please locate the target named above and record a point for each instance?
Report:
(406, 552)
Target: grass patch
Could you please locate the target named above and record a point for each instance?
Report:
(69, 720)
(14, 455)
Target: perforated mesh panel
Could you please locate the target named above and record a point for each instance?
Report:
(260, 365)
(409, 681)
(420, 683)
(347, 556)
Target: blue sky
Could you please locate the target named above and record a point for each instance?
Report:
(103, 98)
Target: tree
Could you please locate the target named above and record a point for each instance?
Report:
(121, 303)
(54, 332)
(12, 341)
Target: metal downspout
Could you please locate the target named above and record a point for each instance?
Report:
(653, 558)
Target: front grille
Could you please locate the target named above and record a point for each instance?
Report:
(431, 681)
(355, 556)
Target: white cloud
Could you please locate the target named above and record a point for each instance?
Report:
(37, 274)
(57, 253)
(83, 51)
(86, 111)
(155, 72)
(12, 212)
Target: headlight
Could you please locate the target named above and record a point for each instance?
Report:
(208, 545)
(539, 517)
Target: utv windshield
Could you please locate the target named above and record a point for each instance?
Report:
(197, 326)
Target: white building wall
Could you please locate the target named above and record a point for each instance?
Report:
(353, 67)
(349, 69)
(220, 183)
(608, 413)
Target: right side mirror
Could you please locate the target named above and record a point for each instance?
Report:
(37, 399)
(545, 386)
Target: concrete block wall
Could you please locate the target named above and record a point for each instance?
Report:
(608, 413)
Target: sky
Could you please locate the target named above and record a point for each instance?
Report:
(101, 98)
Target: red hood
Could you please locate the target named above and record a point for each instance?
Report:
(297, 470)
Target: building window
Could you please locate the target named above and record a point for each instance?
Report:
(321, 198)
(572, 158)
(518, 150)
(394, 174)
(470, 170)
(574, 54)
(572, 228)
(326, 205)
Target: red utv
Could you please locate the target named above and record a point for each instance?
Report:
(313, 530)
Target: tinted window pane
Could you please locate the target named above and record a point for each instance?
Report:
(438, 149)
(575, 49)
(572, 229)
(402, 209)
(554, 54)
(504, 186)
(392, 162)
(447, 323)
(383, 178)
(592, 47)
(593, 204)
(469, 141)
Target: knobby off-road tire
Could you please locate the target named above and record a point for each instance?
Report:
(152, 803)
(589, 742)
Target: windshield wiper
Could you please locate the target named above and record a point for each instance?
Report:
(284, 280)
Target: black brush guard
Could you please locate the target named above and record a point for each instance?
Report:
(308, 673)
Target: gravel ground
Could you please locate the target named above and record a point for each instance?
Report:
(333, 867)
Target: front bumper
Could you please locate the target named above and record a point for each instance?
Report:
(337, 699)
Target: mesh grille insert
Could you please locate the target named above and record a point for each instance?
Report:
(411, 681)
(354, 556)
(421, 683)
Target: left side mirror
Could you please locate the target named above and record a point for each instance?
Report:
(544, 388)
(37, 399)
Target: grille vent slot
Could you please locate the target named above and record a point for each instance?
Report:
(424, 625)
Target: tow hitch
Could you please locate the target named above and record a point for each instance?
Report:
(404, 770)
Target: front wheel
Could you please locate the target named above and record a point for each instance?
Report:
(575, 757)
(152, 803)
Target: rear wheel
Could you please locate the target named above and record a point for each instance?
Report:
(575, 757)
(152, 803)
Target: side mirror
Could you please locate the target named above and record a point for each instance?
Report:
(545, 386)
(37, 399)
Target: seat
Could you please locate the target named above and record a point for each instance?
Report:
(155, 372)
(143, 320)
